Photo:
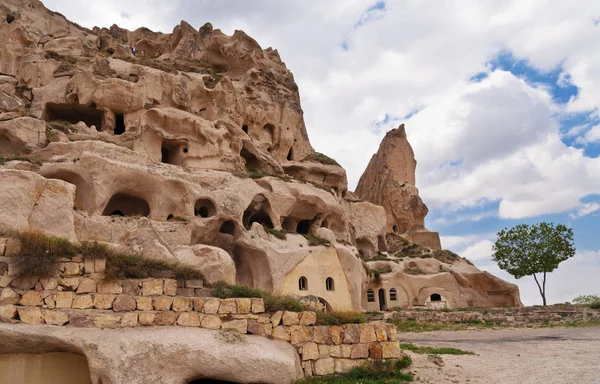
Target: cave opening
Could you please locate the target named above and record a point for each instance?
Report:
(245, 128)
(204, 208)
(73, 113)
(290, 155)
(119, 124)
(258, 212)
(122, 204)
(304, 227)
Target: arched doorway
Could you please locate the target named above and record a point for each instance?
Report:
(382, 306)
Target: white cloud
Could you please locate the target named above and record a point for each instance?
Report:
(479, 251)
(585, 209)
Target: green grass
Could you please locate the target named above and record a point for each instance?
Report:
(373, 372)
(40, 254)
(411, 325)
(595, 305)
(435, 350)
(134, 266)
(60, 125)
(339, 318)
(273, 303)
(282, 235)
(314, 240)
(318, 157)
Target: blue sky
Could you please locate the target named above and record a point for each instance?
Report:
(500, 102)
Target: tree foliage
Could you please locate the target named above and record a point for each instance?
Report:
(533, 249)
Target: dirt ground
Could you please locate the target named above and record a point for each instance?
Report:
(507, 356)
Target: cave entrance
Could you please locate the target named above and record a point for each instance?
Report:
(252, 162)
(435, 297)
(119, 124)
(204, 208)
(290, 155)
(122, 204)
(47, 368)
(258, 212)
(304, 227)
(172, 152)
(73, 113)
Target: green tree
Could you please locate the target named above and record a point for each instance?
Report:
(533, 249)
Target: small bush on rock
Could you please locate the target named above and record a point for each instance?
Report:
(273, 303)
(339, 318)
(373, 372)
(40, 254)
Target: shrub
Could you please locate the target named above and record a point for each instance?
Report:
(595, 305)
(134, 266)
(273, 303)
(40, 254)
(435, 350)
(318, 157)
(282, 235)
(314, 240)
(60, 125)
(340, 318)
(587, 299)
(373, 372)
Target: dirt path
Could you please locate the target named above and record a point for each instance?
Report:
(507, 356)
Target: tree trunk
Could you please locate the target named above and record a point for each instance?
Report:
(542, 290)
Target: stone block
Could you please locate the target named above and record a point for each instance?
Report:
(152, 287)
(323, 351)
(31, 315)
(83, 302)
(276, 318)
(244, 306)
(163, 303)
(258, 305)
(86, 285)
(324, 367)
(31, 299)
(8, 296)
(63, 299)
(71, 269)
(170, 287)
(240, 326)
(129, 319)
(80, 320)
(124, 303)
(100, 265)
(144, 303)
(77, 259)
(110, 286)
(310, 351)
(131, 287)
(367, 333)
(263, 318)
(320, 334)
(375, 351)
(107, 321)
(194, 284)
(49, 283)
(56, 317)
(5, 281)
(381, 331)
(199, 304)
(341, 351)
(12, 247)
(291, 318)
(228, 306)
(345, 365)
(256, 328)
(392, 332)
(24, 283)
(307, 367)
(8, 312)
(89, 266)
(183, 304)
(49, 301)
(299, 334)
(70, 283)
(391, 350)
(360, 351)
(351, 334)
(186, 292)
(211, 306)
(308, 318)
(166, 318)
(281, 333)
(211, 322)
(189, 319)
(104, 300)
(336, 334)
(146, 318)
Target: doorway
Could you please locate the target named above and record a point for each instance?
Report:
(382, 306)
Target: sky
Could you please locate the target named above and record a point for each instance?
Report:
(499, 100)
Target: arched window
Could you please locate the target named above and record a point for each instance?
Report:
(303, 284)
(329, 284)
(436, 297)
(370, 295)
(393, 294)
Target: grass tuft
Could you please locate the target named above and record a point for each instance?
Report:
(40, 254)
(282, 235)
(273, 303)
(373, 372)
(318, 157)
(435, 350)
(339, 318)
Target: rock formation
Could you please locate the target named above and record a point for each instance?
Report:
(389, 181)
(195, 151)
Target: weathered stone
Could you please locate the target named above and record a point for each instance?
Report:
(260, 329)
(392, 332)
(8, 296)
(183, 304)
(129, 319)
(131, 288)
(240, 326)
(71, 269)
(170, 287)
(276, 318)
(244, 305)
(124, 303)
(391, 350)
(107, 321)
(258, 305)
(104, 300)
(8, 312)
(323, 351)
(70, 283)
(24, 283)
(345, 365)
(194, 284)
(320, 334)
(185, 292)
(63, 299)
(281, 333)
(307, 367)
(359, 351)
(5, 281)
(152, 287)
(310, 351)
(163, 303)
(49, 301)
(31, 299)
(290, 318)
(110, 286)
(88, 266)
(324, 367)
(308, 318)
(351, 334)
(80, 320)
(375, 351)
(100, 265)
(83, 302)
(31, 315)
(166, 318)
(211, 322)
(49, 283)
(86, 285)
(263, 319)
(211, 306)
(189, 319)
(56, 317)
(147, 318)
(228, 306)
(198, 304)
(336, 333)
(381, 331)
(367, 333)
(144, 303)
(342, 351)
(299, 334)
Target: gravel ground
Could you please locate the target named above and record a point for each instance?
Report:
(507, 356)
